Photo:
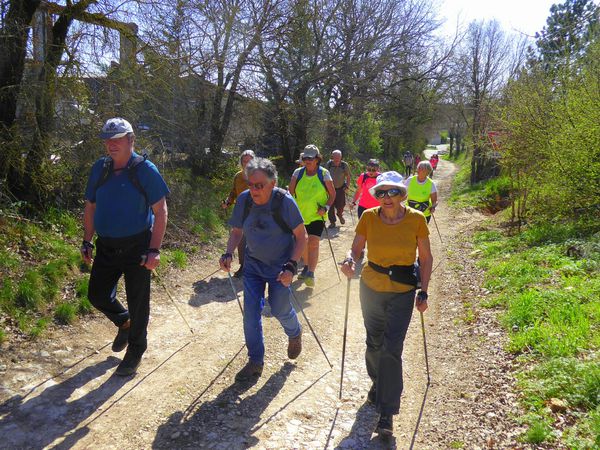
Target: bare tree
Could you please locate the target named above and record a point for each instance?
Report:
(483, 59)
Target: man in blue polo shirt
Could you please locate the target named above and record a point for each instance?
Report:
(125, 205)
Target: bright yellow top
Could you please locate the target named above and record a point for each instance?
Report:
(390, 245)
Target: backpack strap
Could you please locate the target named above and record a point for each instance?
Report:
(300, 174)
(107, 168)
(275, 210)
(319, 175)
(132, 169)
(365, 178)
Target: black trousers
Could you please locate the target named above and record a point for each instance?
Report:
(386, 316)
(116, 257)
(338, 205)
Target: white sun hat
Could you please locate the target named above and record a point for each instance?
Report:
(391, 178)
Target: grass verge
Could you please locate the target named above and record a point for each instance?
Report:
(546, 282)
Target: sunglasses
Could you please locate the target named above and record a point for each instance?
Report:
(256, 186)
(371, 169)
(381, 193)
(308, 158)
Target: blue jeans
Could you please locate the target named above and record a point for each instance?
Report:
(256, 276)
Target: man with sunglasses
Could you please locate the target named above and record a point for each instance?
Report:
(312, 186)
(388, 283)
(365, 181)
(275, 238)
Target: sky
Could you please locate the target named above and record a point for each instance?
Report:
(525, 16)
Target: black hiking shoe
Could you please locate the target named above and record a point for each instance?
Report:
(129, 364)
(372, 395)
(121, 338)
(302, 274)
(250, 371)
(342, 220)
(331, 225)
(385, 426)
(238, 273)
(295, 346)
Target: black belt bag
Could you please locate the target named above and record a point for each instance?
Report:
(402, 274)
(419, 206)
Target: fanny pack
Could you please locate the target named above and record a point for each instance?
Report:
(410, 275)
(419, 206)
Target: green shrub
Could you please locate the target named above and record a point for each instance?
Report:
(81, 287)
(2, 336)
(7, 295)
(84, 306)
(29, 291)
(537, 433)
(179, 259)
(39, 327)
(65, 313)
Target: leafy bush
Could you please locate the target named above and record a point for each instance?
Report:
(65, 313)
(29, 291)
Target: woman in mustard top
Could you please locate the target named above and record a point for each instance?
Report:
(240, 184)
(392, 233)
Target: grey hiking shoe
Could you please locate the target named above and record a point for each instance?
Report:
(385, 426)
(122, 337)
(249, 371)
(295, 346)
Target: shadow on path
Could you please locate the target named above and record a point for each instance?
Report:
(228, 418)
(214, 290)
(38, 421)
(361, 435)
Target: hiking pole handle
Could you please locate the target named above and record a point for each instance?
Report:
(344, 340)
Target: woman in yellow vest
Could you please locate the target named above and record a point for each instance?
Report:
(312, 186)
(240, 184)
(422, 192)
(388, 283)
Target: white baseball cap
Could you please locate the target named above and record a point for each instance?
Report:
(115, 128)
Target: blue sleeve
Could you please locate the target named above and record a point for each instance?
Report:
(153, 183)
(237, 216)
(291, 213)
(95, 172)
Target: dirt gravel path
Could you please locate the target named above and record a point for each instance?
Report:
(61, 392)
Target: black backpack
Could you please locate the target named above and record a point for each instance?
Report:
(275, 209)
(131, 169)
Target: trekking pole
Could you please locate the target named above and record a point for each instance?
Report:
(160, 281)
(332, 254)
(437, 228)
(235, 293)
(425, 347)
(351, 213)
(344, 341)
(297, 304)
